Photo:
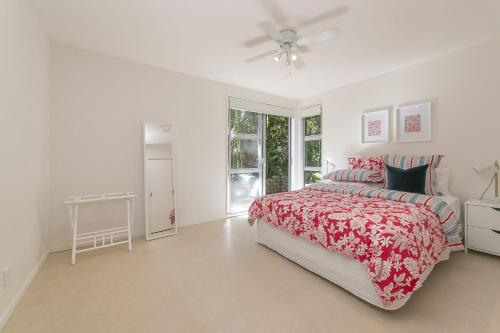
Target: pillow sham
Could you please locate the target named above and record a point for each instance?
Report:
(410, 161)
(374, 163)
(410, 180)
(443, 181)
(356, 175)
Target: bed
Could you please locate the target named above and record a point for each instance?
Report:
(378, 244)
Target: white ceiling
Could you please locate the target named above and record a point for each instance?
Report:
(205, 37)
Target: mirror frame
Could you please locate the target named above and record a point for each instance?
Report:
(166, 233)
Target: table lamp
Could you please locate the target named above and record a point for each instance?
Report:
(493, 167)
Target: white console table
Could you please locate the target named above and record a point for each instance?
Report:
(101, 238)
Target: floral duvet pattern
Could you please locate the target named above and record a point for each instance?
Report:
(395, 240)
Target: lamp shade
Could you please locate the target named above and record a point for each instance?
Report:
(485, 168)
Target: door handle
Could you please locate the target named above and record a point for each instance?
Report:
(496, 231)
(150, 194)
(496, 208)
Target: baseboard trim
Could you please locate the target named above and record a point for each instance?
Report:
(15, 301)
(61, 248)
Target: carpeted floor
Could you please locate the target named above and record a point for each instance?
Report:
(214, 277)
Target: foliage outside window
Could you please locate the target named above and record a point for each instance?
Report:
(312, 149)
(313, 153)
(244, 122)
(276, 145)
(312, 125)
(244, 150)
(277, 153)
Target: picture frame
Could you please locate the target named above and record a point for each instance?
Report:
(375, 126)
(414, 122)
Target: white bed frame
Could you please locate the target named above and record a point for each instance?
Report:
(343, 271)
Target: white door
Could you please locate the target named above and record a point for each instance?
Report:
(161, 197)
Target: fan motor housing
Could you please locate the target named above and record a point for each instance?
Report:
(289, 37)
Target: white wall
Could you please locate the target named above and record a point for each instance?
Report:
(464, 89)
(98, 105)
(24, 146)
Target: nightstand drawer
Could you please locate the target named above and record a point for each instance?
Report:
(483, 239)
(483, 217)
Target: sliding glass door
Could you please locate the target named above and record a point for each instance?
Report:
(245, 159)
(258, 157)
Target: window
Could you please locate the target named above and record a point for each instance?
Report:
(277, 153)
(312, 149)
(245, 166)
(258, 152)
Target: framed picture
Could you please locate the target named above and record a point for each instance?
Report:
(375, 126)
(414, 122)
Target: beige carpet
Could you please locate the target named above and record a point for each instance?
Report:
(213, 277)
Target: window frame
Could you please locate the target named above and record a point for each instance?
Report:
(308, 138)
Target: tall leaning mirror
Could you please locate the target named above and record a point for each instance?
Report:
(159, 180)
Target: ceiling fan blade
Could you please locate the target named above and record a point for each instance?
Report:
(256, 41)
(331, 14)
(302, 49)
(271, 30)
(298, 63)
(261, 56)
(275, 11)
(318, 37)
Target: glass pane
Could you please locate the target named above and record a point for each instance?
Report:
(313, 153)
(312, 125)
(244, 122)
(311, 177)
(277, 139)
(244, 189)
(244, 154)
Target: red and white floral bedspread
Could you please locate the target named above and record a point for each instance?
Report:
(396, 241)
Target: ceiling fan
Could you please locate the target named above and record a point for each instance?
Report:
(291, 45)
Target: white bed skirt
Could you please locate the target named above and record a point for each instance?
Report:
(343, 271)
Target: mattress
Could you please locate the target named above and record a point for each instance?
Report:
(346, 272)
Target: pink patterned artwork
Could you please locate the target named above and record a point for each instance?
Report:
(413, 123)
(374, 128)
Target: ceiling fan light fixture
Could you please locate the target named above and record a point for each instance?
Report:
(290, 45)
(277, 57)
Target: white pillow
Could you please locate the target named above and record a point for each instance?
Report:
(443, 181)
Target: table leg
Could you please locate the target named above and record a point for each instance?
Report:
(129, 222)
(74, 217)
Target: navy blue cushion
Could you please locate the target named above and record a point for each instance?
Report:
(409, 180)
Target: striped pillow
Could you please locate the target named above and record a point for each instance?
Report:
(411, 161)
(356, 175)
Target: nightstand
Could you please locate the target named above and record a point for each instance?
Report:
(482, 226)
